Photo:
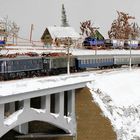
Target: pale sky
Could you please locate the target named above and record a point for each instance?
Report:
(43, 13)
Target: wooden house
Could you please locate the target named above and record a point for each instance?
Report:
(59, 36)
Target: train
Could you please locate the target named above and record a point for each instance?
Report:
(92, 43)
(44, 65)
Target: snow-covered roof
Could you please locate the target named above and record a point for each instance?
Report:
(63, 32)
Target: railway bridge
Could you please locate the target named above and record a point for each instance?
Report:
(56, 102)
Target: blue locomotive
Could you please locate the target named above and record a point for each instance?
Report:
(91, 43)
(11, 68)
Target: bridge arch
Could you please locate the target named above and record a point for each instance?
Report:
(12, 116)
(18, 117)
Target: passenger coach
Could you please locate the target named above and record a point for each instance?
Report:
(92, 61)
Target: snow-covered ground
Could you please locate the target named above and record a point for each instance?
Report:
(118, 95)
(73, 51)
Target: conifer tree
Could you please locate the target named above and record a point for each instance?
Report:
(64, 17)
(136, 31)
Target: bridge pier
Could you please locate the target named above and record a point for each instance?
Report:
(1, 114)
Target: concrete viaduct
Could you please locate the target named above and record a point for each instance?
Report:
(56, 102)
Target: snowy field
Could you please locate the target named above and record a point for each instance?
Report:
(118, 95)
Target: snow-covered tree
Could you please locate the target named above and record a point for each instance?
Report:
(10, 28)
(87, 29)
(121, 28)
(64, 17)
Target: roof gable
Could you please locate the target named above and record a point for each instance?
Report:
(62, 32)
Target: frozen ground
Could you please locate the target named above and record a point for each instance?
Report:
(118, 95)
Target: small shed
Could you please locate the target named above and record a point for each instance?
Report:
(58, 35)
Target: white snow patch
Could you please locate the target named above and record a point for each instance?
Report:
(117, 94)
(73, 51)
(56, 115)
(68, 119)
(12, 118)
(39, 110)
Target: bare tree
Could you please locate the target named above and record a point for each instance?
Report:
(121, 28)
(87, 29)
(11, 28)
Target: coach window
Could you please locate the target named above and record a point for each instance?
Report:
(85, 61)
(101, 60)
(14, 62)
(81, 61)
(90, 61)
(31, 62)
(96, 60)
(17, 62)
(34, 62)
(10, 63)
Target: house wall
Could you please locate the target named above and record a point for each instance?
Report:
(46, 38)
